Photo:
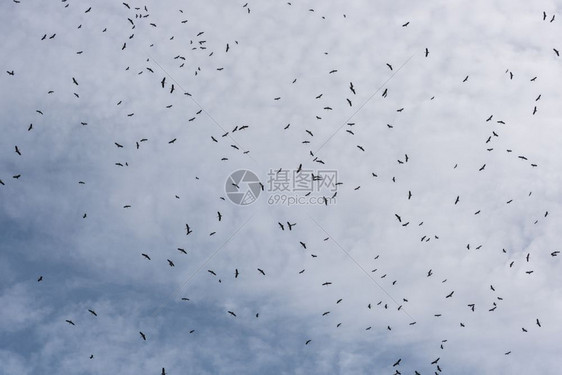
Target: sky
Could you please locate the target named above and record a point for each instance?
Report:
(317, 187)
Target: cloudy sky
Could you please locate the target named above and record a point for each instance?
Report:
(436, 251)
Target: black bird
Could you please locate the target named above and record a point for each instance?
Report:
(10, 73)
(70, 322)
(40, 279)
(556, 51)
(303, 244)
(261, 271)
(466, 79)
(170, 263)
(351, 87)
(307, 342)
(406, 24)
(426, 52)
(212, 272)
(236, 273)
(146, 256)
(143, 336)
(450, 294)
(18, 151)
(291, 225)
(219, 215)
(188, 230)
(390, 66)
(397, 363)
(538, 323)
(231, 313)
(182, 250)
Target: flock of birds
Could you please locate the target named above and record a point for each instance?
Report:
(139, 17)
